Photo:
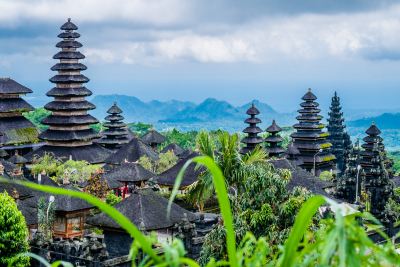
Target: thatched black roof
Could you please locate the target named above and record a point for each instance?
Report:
(309, 96)
(68, 204)
(67, 106)
(274, 128)
(114, 109)
(302, 178)
(46, 180)
(68, 26)
(69, 55)
(114, 118)
(73, 78)
(61, 135)
(9, 187)
(128, 172)
(68, 67)
(30, 213)
(9, 86)
(191, 175)
(153, 137)
(68, 44)
(14, 105)
(252, 110)
(76, 91)
(17, 130)
(69, 35)
(62, 203)
(69, 120)
(147, 210)
(18, 159)
(373, 130)
(8, 166)
(174, 148)
(91, 153)
(132, 152)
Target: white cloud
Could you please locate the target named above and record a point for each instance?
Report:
(156, 12)
(205, 49)
(364, 35)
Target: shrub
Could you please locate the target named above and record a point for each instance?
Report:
(326, 176)
(112, 199)
(13, 233)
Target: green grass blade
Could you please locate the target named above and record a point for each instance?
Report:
(38, 258)
(300, 226)
(118, 217)
(223, 200)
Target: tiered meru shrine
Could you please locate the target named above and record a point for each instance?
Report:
(361, 174)
(69, 134)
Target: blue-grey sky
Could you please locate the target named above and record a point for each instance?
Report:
(271, 50)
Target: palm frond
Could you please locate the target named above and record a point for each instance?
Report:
(205, 144)
(254, 156)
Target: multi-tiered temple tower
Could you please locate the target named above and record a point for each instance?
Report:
(16, 132)
(252, 139)
(116, 133)
(69, 134)
(309, 138)
(377, 182)
(339, 139)
(351, 177)
(274, 140)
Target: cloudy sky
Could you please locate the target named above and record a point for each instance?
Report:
(271, 50)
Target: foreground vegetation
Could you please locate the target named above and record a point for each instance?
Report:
(340, 241)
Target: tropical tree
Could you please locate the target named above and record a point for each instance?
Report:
(224, 150)
(186, 140)
(139, 128)
(36, 116)
(13, 233)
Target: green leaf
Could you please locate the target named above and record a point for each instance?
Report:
(301, 223)
(223, 200)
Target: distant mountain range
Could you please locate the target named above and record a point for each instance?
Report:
(383, 121)
(209, 114)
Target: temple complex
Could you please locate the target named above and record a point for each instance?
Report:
(252, 139)
(116, 133)
(338, 137)
(377, 182)
(274, 140)
(16, 132)
(69, 134)
(309, 138)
